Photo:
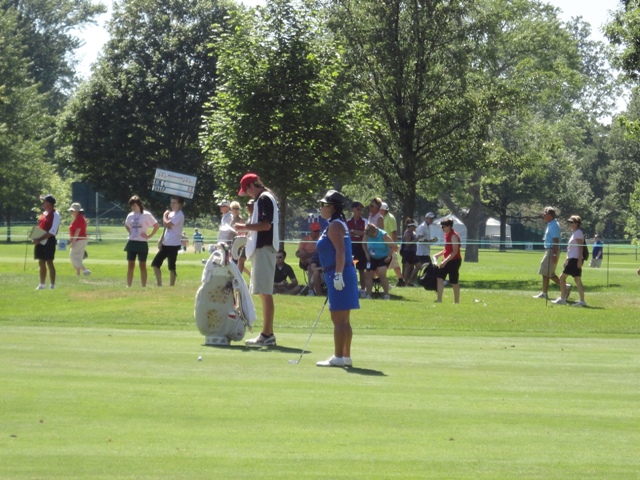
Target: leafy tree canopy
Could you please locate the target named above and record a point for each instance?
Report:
(142, 108)
(283, 108)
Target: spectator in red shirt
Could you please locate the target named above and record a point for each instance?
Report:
(78, 239)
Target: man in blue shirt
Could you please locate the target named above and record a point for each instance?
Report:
(551, 252)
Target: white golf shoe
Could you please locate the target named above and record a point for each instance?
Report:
(332, 362)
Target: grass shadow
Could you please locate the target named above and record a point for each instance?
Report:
(365, 371)
(244, 348)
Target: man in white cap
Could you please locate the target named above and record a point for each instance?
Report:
(391, 227)
(225, 233)
(424, 240)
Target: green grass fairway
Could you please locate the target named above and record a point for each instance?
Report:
(98, 381)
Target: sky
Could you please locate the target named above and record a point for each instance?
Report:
(595, 12)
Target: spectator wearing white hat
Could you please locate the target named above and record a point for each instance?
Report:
(424, 241)
(78, 239)
(225, 232)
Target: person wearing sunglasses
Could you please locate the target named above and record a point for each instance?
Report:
(334, 249)
(284, 279)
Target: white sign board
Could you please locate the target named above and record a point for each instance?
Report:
(172, 183)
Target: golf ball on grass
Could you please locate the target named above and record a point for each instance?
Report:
(199, 359)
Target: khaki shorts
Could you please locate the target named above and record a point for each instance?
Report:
(76, 253)
(394, 261)
(547, 267)
(263, 268)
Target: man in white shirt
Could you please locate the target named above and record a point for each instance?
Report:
(425, 239)
(225, 233)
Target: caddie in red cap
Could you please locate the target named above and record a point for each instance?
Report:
(262, 245)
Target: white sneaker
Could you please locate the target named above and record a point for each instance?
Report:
(560, 301)
(540, 295)
(387, 296)
(86, 272)
(332, 362)
(580, 303)
(261, 341)
(52, 286)
(347, 361)
(42, 286)
(568, 287)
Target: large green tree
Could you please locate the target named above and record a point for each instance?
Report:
(283, 108)
(47, 32)
(25, 128)
(540, 71)
(142, 108)
(414, 63)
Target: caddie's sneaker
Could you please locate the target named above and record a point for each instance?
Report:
(540, 295)
(580, 303)
(42, 286)
(568, 286)
(332, 362)
(261, 341)
(560, 301)
(347, 361)
(86, 272)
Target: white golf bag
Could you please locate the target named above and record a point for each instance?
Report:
(223, 309)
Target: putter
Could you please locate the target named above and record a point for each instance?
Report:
(295, 362)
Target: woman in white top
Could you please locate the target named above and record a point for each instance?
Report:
(171, 241)
(137, 224)
(573, 263)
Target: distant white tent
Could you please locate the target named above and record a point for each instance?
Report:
(492, 233)
(458, 226)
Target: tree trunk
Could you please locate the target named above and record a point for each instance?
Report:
(503, 230)
(472, 219)
(7, 215)
(282, 215)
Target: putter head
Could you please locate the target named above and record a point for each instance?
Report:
(294, 362)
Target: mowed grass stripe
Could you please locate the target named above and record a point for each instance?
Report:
(137, 404)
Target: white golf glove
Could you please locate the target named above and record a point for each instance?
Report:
(338, 282)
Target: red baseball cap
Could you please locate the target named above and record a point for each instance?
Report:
(315, 227)
(245, 181)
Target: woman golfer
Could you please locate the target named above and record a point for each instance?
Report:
(334, 249)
